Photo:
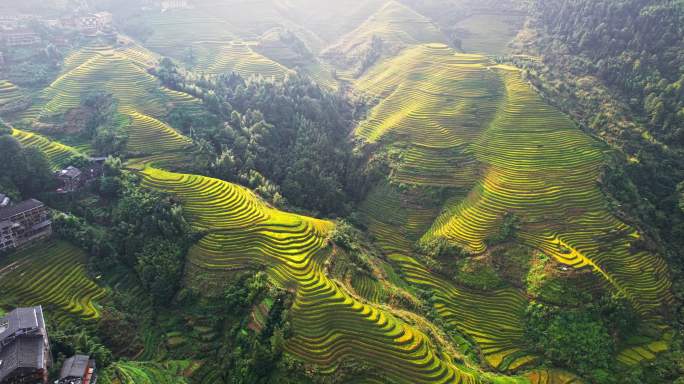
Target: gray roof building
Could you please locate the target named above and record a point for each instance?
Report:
(24, 347)
(78, 369)
(71, 172)
(7, 213)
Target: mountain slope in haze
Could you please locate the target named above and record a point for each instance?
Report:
(387, 31)
(122, 72)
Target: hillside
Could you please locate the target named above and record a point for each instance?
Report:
(141, 101)
(387, 31)
(456, 146)
(326, 318)
(384, 191)
(63, 281)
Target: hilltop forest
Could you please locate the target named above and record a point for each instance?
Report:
(378, 191)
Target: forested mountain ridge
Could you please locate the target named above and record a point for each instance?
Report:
(635, 47)
(384, 191)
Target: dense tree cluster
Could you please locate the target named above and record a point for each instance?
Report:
(288, 138)
(583, 338)
(25, 172)
(104, 126)
(147, 233)
(634, 46)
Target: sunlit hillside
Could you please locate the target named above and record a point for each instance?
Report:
(382, 191)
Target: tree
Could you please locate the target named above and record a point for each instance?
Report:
(160, 267)
(29, 173)
(576, 339)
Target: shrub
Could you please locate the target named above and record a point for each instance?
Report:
(575, 339)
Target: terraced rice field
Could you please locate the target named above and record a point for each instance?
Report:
(397, 25)
(434, 103)
(220, 57)
(460, 121)
(329, 323)
(140, 96)
(170, 372)
(176, 30)
(552, 376)
(151, 136)
(647, 352)
(493, 320)
(9, 93)
(111, 71)
(58, 154)
(540, 167)
(52, 274)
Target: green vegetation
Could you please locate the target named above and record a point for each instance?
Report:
(29, 173)
(621, 81)
(354, 191)
(295, 148)
(104, 98)
(170, 372)
(151, 235)
(61, 282)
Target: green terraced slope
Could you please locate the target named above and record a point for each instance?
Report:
(58, 155)
(9, 93)
(176, 30)
(539, 166)
(220, 57)
(151, 136)
(52, 274)
(111, 71)
(243, 230)
(395, 24)
(329, 324)
(459, 121)
(493, 320)
(140, 96)
(169, 372)
(552, 376)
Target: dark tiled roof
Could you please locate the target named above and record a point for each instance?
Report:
(25, 352)
(22, 318)
(22, 341)
(74, 366)
(7, 212)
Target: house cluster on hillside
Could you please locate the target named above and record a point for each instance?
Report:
(23, 223)
(72, 179)
(29, 221)
(90, 24)
(25, 355)
(14, 32)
